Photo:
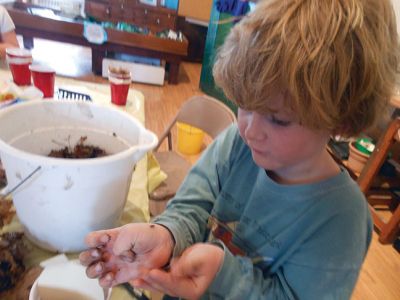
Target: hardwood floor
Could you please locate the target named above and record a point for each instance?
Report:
(380, 274)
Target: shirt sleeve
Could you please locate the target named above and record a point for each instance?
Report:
(238, 278)
(186, 217)
(187, 213)
(304, 272)
(325, 266)
(6, 23)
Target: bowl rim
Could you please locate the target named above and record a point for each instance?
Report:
(51, 161)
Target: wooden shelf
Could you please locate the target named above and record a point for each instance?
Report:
(71, 31)
(155, 18)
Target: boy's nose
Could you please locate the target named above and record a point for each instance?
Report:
(254, 129)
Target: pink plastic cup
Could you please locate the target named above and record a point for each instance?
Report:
(20, 70)
(43, 78)
(120, 81)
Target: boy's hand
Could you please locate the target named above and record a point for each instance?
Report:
(122, 254)
(189, 276)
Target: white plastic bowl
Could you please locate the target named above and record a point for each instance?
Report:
(68, 198)
(67, 281)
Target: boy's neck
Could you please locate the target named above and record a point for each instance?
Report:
(312, 171)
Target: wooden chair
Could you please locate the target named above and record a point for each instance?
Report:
(204, 112)
(387, 230)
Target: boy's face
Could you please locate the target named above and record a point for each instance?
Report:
(280, 144)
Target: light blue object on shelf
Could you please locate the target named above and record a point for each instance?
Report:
(138, 59)
(252, 6)
(172, 4)
(94, 33)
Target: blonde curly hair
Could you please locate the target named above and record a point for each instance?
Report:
(337, 59)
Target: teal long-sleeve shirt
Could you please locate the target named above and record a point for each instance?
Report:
(303, 241)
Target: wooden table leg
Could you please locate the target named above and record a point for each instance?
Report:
(173, 72)
(391, 228)
(387, 230)
(379, 155)
(97, 61)
(28, 42)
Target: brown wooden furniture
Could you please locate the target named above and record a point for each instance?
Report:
(156, 18)
(380, 197)
(198, 10)
(67, 30)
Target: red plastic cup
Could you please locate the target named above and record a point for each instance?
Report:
(20, 70)
(18, 61)
(120, 81)
(43, 78)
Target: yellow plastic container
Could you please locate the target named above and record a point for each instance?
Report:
(190, 139)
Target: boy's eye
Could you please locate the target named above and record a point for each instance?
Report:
(279, 122)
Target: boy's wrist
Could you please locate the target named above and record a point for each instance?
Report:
(170, 235)
(169, 241)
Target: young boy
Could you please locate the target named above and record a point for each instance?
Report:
(8, 38)
(286, 221)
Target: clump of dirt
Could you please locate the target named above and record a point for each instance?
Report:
(119, 72)
(3, 178)
(11, 250)
(79, 151)
(11, 259)
(15, 280)
(7, 212)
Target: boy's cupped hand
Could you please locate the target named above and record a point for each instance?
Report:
(189, 275)
(125, 253)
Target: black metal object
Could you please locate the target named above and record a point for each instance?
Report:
(135, 292)
(71, 95)
(20, 183)
(339, 148)
(396, 245)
